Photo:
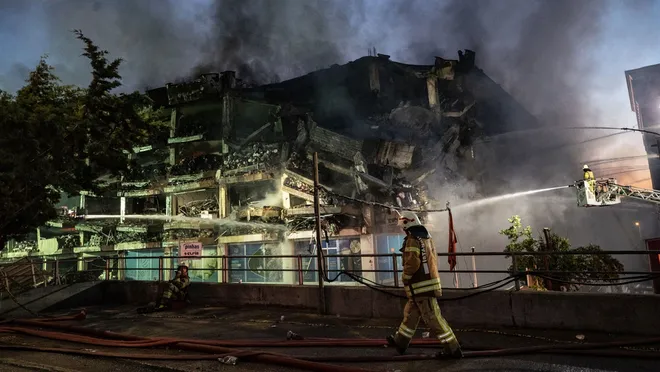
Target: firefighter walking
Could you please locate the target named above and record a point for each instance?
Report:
(421, 281)
(176, 288)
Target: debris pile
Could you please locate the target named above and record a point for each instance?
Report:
(196, 207)
(300, 163)
(66, 243)
(295, 184)
(178, 234)
(146, 173)
(305, 188)
(130, 236)
(268, 214)
(196, 164)
(206, 86)
(190, 126)
(330, 224)
(25, 246)
(252, 154)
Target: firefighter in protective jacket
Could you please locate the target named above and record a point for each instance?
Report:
(176, 288)
(588, 176)
(422, 285)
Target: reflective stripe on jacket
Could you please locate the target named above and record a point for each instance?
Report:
(420, 267)
(180, 283)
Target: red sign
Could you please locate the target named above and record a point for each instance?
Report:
(190, 250)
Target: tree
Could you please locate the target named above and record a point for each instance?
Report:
(112, 122)
(34, 125)
(583, 267)
(58, 138)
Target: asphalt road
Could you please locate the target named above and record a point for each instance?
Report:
(261, 323)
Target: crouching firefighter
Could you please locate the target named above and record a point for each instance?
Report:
(176, 289)
(422, 285)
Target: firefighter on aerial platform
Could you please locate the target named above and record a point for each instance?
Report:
(589, 177)
(422, 285)
(176, 288)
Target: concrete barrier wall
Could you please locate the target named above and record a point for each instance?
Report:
(576, 311)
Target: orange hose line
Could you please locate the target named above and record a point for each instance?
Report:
(116, 343)
(336, 359)
(271, 358)
(82, 315)
(85, 339)
(78, 329)
(317, 341)
(111, 354)
(331, 342)
(278, 359)
(218, 347)
(229, 343)
(310, 363)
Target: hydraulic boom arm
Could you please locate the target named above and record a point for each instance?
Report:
(608, 192)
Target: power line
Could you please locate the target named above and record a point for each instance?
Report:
(382, 205)
(613, 160)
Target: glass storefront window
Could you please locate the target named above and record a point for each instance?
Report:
(143, 264)
(334, 250)
(388, 244)
(257, 266)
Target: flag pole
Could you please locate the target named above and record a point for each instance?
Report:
(451, 259)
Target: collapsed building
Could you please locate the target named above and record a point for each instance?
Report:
(235, 175)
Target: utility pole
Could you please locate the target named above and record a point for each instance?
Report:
(319, 250)
(548, 248)
(474, 269)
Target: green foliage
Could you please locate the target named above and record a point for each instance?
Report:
(111, 121)
(62, 138)
(33, 126)
(582, 267)
(157, 121)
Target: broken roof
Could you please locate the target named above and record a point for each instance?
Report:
(347, 98)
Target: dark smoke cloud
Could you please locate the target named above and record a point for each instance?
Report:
(266, 41)
(158, 40)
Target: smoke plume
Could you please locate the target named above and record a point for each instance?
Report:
(542, 52)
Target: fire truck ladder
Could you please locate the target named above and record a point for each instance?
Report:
(611, 188)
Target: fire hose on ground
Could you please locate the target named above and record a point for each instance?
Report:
(224, 348)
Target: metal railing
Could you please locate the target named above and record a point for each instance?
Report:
(302, 268)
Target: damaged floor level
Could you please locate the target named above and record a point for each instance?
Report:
(258, 323)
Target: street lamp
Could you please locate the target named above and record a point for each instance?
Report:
(639, 231)
(642, 243)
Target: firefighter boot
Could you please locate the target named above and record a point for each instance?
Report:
(391, 341)
(453, 350)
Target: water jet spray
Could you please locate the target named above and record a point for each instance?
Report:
(495, 199)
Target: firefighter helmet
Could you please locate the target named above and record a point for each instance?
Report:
(408, 219)
(181, 266)
(586, 167)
